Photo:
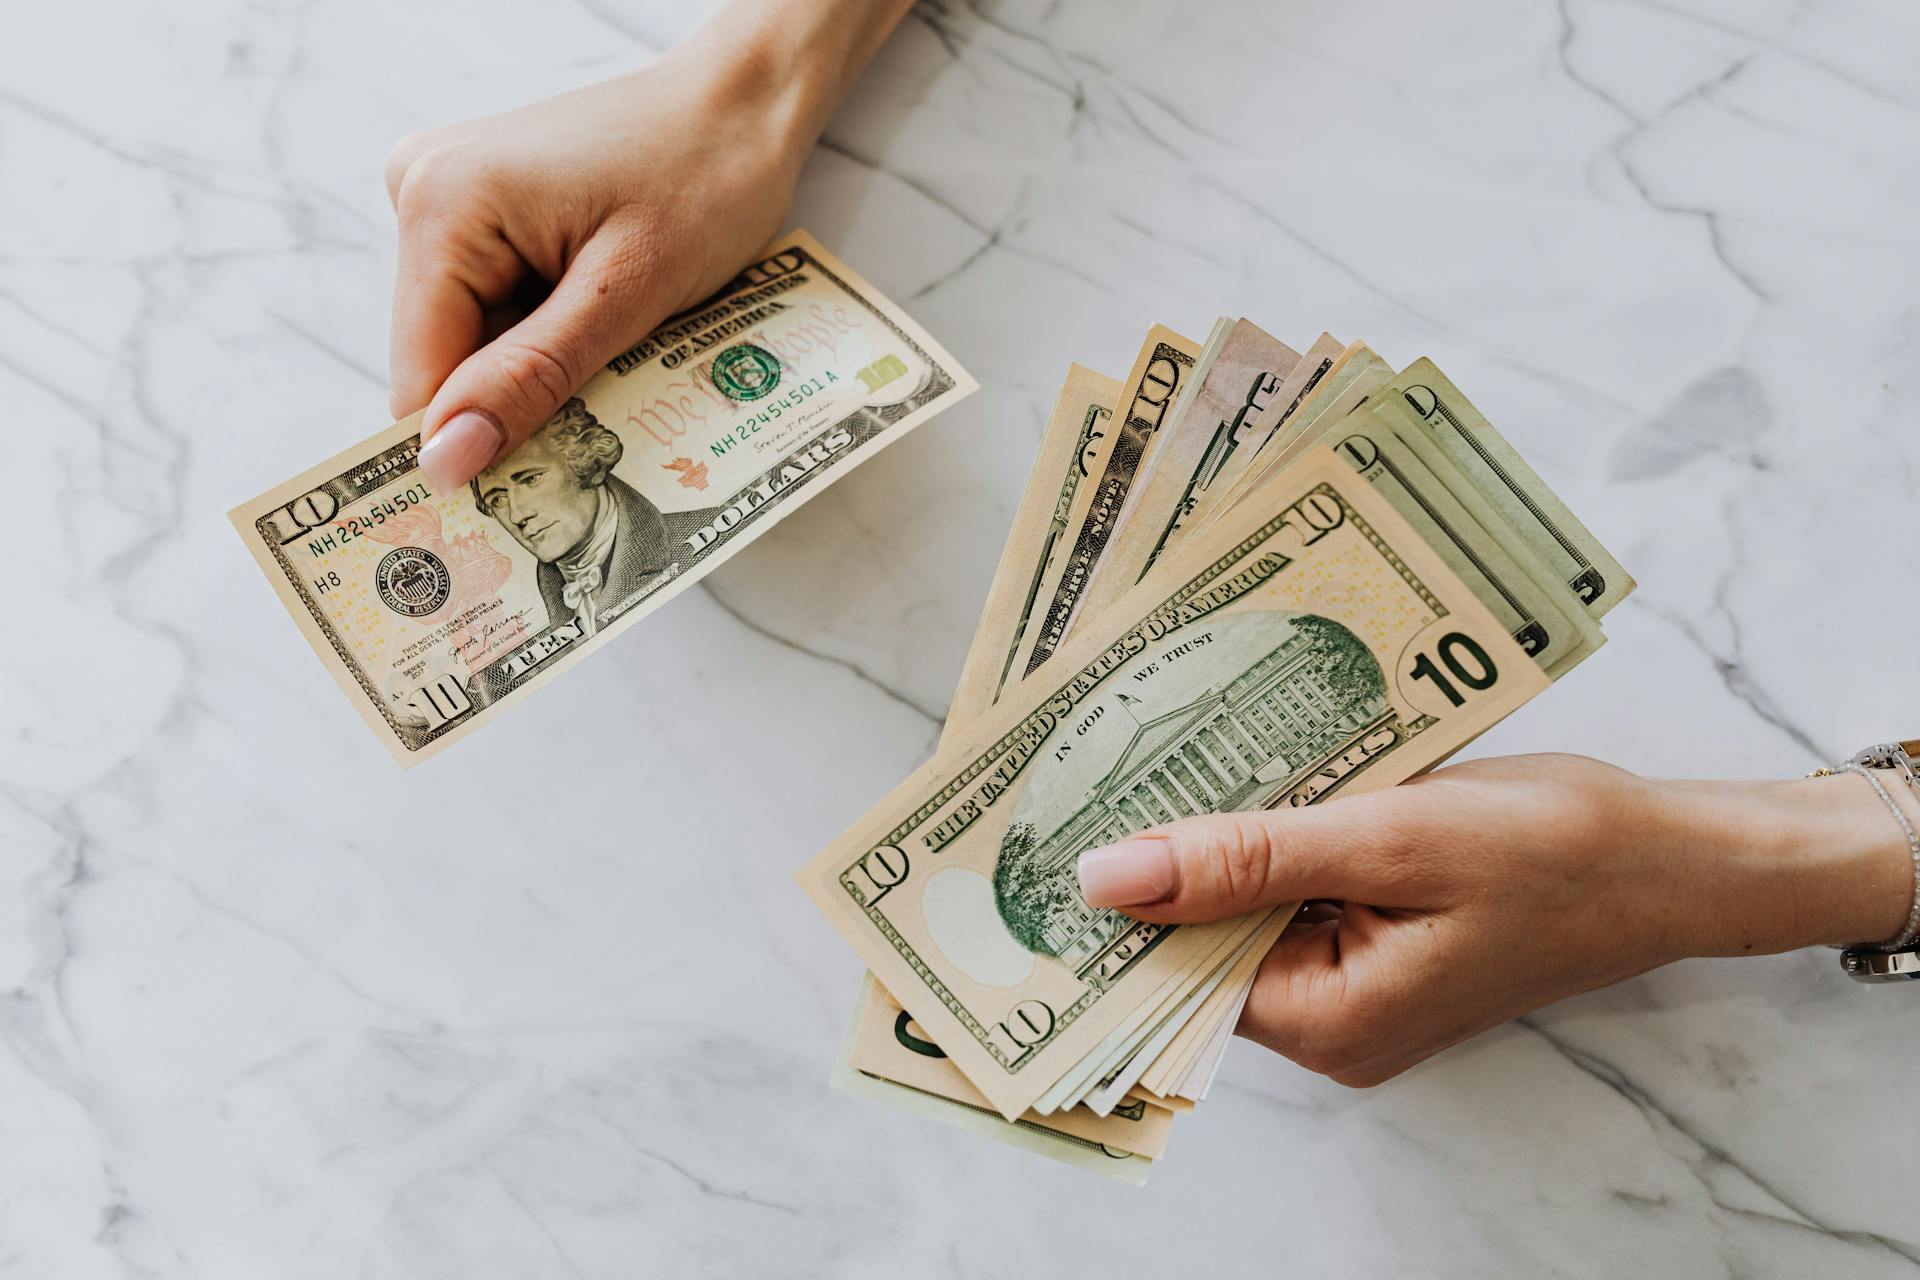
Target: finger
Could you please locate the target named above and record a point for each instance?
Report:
(1228, 864)
(1311, 1003)
(1297, 985)
(438, 320)
(504, 392)
(454, 268)
(1359, 999)
(400, 159)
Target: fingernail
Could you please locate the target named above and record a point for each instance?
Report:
(1132, 873)
(455, 453)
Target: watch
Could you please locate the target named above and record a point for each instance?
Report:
(1866, 965)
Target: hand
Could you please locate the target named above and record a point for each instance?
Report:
(1484, 890)
(631, 199)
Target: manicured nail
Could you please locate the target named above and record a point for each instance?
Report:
(455, 453)
(1132, 873)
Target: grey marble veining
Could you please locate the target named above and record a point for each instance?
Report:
(550, 1005)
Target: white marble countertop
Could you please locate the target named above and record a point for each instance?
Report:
(551, 1005)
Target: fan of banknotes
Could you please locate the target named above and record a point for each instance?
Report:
(1244, 577)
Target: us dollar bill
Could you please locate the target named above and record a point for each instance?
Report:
(1378, 433)
(1223, 489)
(1190, 1063)
(1329, 384)
(1093, 1157)
(1360, 374)
(1322, 412)
(1168, 436)
(1078, 439)
(1443, 507)
(1327, 390)
(897, 1065)
(1143, 1033)
(1233, 383)
(882, 1044)
(887, 1044)
(1159, 372)
(433, 610)
(1496, 468)
(1117, 1081)
(1317, 648)
(1355, 376)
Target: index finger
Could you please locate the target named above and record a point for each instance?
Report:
(438, 321)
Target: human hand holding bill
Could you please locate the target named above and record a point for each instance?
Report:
(537, 244)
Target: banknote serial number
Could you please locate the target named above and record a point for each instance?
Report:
(347, 528)
(772, 413)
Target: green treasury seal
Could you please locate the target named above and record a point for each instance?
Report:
(745, 372)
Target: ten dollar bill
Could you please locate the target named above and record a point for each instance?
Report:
(434, 610)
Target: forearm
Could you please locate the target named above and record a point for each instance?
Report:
(1773, 866)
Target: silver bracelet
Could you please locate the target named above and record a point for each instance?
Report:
(1911, 932)
(1898, 960)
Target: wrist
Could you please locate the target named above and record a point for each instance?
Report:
(788, 63)
(1775, 866)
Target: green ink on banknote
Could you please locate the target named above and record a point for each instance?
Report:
(745, 372)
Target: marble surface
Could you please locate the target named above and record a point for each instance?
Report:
(551, 1005)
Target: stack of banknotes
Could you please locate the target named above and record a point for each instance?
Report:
(1242, 577)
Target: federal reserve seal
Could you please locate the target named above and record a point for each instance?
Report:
(412, 581)
(745, 372)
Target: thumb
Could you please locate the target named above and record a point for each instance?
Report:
(1228, 864)
(504, 392)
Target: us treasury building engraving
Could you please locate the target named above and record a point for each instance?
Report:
(1221, 720)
